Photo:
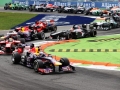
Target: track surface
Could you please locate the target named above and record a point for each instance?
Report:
(17, 77)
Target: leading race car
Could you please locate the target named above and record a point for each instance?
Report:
(76, 32)
(33, 57)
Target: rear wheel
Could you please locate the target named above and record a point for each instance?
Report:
(41, 35)
(54, 28)
(22, 40)
(67, 37)
(93, 33)
(16, 58)
(5, 8)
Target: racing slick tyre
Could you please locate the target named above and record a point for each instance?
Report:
(24, 60)
(41, 35)
(64, 61)
(17, 37)
(54, 28)
(5, 8)
(44, 10)
(16, 58)
(106, 26)
(67, 37)
(22, 40)
(93, 33)
(38, 64)
(76, 35)
(59, 11)
(87, 12)
(75, 12)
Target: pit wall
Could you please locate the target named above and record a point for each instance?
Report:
(60, 2)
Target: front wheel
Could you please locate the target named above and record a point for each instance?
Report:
(38, 64)
(64, 61)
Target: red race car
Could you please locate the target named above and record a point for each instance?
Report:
(44, 25)
(36, 30)
(8, 45)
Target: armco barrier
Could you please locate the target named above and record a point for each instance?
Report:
(60, 2)
(44, 46)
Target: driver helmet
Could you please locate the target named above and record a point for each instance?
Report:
(83, 25)
(75, 26)
(10, 39)
(22, 29)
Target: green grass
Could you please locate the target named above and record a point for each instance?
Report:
(9, 20)
(111, 57)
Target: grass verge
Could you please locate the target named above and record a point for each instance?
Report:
(107, 57)
(9, 20)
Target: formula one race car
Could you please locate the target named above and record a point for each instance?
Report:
(75, 33)
(115, 9)
(97, 12)
(45, 25)
(106, 23)
(8, 45)
(49, 7)
(39, 61)
(15, 6)
(37, 8)
(29, 34)
(36, 30)
(42, 8)
(71, 9)
(12, 34)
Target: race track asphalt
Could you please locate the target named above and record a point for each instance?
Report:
(17, 77)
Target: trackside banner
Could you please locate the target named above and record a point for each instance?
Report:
(60, 20)
(55, 2)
